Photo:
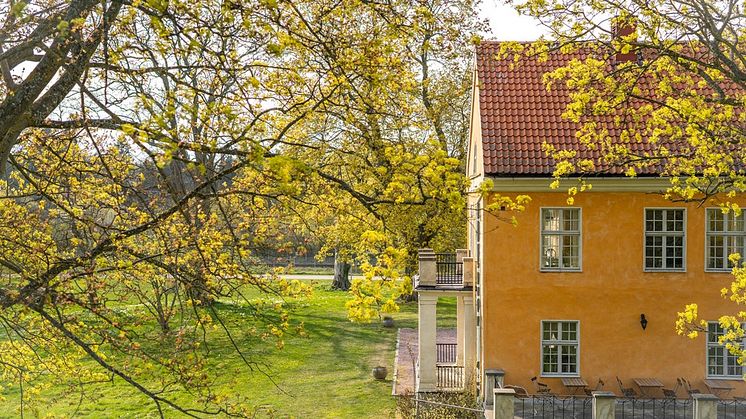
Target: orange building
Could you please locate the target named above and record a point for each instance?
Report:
(587, 291)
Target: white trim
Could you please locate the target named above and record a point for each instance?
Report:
(725, 355)
(684, 250)
(600, 184)
(725, 270)
(580, 241)
(541, 351)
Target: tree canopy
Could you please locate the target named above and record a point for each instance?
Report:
(149, 147)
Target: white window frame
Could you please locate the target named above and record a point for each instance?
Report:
(664, 233)
(559, 341)
(726, 354)
(725, 234)
(561, 233)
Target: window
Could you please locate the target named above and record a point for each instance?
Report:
(560, 239)
(726, 234)
(559, 347)
(720, 362)
(664, 239)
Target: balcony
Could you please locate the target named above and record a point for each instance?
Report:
(447, 271)
(445, 364)
(449, 375)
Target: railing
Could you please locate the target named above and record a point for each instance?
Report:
(449, 270)
(450, 377)
(554, 407)
(580, 407)
(551, 407)
(446, 353)
(731, 409)
(654, 408)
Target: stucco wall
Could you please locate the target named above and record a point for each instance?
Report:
(607, 297)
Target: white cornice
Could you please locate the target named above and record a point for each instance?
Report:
(604, 184)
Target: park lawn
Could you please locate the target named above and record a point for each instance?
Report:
(326, 373)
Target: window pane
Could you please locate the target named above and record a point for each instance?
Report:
(570, 251)
(653, 220)
(555, 357)
(715, 361)
(735, 246)
(715, 252)
(675, 220)
(569, 358)
(551, 358)
(560, 238)
(550, 330)
(715, 220)
(550, 251)
(571, 221)
(572, 330)
(731, 362)
(551, 219)
(654, 252)
(735, 224)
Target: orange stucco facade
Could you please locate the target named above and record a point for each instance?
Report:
(607, 296)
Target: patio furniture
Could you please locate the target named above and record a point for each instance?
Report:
(688, 387)
(599, 386)
(671, 394)
(645, 384)
(520, 392)
(541, 388)
(627, 392)
(719, 387)
(574, 383)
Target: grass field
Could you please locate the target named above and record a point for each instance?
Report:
(324, 374)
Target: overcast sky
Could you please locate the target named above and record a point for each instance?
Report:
(507, 24)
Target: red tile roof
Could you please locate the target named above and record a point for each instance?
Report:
(518, 115)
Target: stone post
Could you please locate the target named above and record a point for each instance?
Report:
(493, 379)
(504, 400)
(705, 406)
(603, 405)
(470, 341)
(468, 271)
(428, 268)
(461, 254)
(426, 355)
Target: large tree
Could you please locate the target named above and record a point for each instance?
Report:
(670, 74)
(148, 148)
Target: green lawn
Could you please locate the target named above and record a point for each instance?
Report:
(324, 374)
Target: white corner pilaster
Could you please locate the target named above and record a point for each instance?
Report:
(469, 342)
(426, 330)
(460, 330)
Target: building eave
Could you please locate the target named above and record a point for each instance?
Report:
(598, 184)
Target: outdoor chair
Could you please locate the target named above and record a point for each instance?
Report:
(627, 392)
(599, 386)
(541, 388)
(687, 386)
(671, 394)
(520, 392)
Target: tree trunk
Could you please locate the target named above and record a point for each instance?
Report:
(341, 275)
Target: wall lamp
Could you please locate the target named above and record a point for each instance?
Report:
(643, 321)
